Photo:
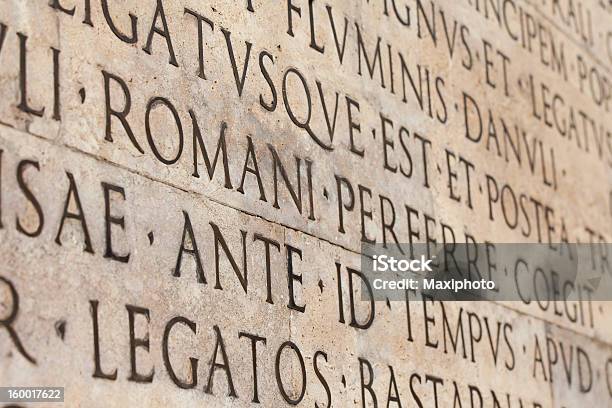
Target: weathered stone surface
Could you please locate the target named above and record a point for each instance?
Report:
(122, 152)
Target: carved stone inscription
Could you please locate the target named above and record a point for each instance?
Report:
(185, 187)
